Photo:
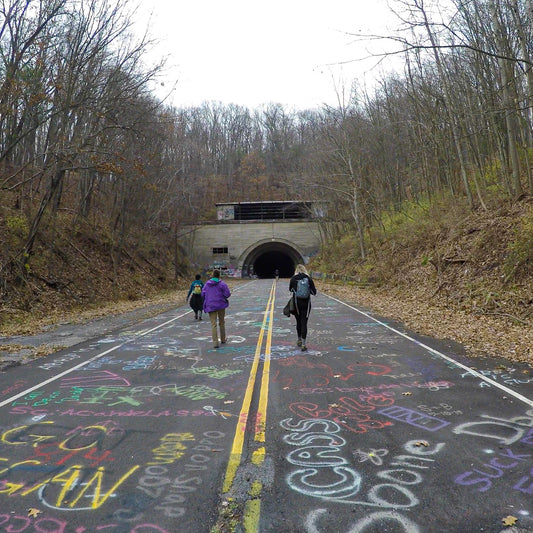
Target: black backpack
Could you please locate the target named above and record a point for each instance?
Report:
(302, 288)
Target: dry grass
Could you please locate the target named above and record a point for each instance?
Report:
(21, 323)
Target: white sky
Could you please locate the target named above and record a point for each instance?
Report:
(252, 53)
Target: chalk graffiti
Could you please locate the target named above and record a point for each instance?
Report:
(171, 448)
(443, 409)
(373, 456)
(506, 431)
(492, 470)
(381, 520)
(328, 475)
(348, 413)
(414, 418)
(65, 489)
(23, 524)
(213, 372)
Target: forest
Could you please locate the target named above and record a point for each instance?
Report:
(91, 160)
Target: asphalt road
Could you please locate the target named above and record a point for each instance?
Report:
(149, 429)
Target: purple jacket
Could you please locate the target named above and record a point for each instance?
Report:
(216, 294)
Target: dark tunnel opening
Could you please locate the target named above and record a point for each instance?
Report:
(266, 263)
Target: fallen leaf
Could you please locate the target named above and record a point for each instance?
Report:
(407, 393)
(33, 513)
(229, 401)
(509, 520)
(336, 375)
(334, 405)
(422, 443)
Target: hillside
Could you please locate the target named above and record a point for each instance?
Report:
(75, 273)
(453, 274)
(443, 271)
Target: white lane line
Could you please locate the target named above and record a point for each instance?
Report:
(98, 356)
(436, 352)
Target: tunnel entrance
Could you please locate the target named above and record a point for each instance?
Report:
(266, 264)
(266, 258)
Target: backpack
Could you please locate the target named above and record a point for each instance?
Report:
(197, 289)
(302, 288)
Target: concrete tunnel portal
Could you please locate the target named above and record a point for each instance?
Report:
(268, 257)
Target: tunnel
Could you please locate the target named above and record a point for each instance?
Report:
(266, 258)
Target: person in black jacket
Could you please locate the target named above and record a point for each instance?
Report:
(195, 293)
(302, 287)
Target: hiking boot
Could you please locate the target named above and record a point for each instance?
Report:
(304, 348)
(299, 343)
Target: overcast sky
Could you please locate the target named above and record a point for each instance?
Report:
(251, 53)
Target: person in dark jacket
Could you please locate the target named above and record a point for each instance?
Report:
(302, 294)
(216, 294)
(195, 293)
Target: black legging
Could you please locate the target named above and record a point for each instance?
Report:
(302, 305)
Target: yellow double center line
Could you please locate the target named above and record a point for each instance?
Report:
(252, 506)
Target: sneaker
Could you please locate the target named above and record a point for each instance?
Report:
(299, 343)
(215, 346)
(222, 342)
(200, 317)
(304, 348)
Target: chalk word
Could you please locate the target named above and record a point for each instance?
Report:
(509, 379)
(141, 363)
(101, 435)
(171, 448)
(104, 361)
(494, 469)
(12, 388)
(55, 363)
(52, 454)
(373, 521)
(414, 418)
(504, 430)
(37, 398)
(212, 372)
(326, 373)
(132, 413)
(169, 494)
(24, 524)
(348, 413)
(442, 409)
(326, 474)
(433, 386)
(59, 491)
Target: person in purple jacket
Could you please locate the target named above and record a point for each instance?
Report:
(216, 293)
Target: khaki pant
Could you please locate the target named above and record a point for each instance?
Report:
(221, 315)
